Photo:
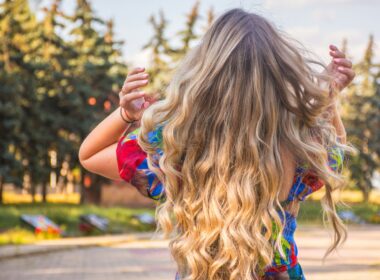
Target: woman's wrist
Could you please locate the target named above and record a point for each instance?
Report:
(126, 118)
(333, 100)
(338, 123)
(131, 123)
(106, 133)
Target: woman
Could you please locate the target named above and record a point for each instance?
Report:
(247, 130)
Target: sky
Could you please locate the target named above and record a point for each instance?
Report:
(315, 23)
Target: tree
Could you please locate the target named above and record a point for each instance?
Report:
(187, 35)
(210, 18)
(362, 119)
(98, 73)
(22, 66)
(165, 56)
(159, 67)
(53, 90)
(10, 111)
(56, 80)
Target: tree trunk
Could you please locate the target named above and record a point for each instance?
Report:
(33, 192)
(96, 186)
(82, 187)
(32, 189)
(366, 196)
(1, 189)
(91, 187)
(365, 188)
(44, 191)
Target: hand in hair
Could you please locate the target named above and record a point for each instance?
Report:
(340, 69)
(133, 101)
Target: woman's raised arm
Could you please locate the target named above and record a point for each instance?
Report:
(97, 153)
(341, 70)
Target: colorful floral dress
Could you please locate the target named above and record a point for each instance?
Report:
(132, 164)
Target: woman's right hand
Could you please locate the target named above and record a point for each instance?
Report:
(340, 69)
(132, 100)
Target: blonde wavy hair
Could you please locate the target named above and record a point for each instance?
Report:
(245, 90)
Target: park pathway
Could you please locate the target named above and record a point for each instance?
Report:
(148, 260)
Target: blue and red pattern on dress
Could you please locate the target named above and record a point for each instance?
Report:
(132, 159)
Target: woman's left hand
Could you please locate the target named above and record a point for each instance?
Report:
(340, 68)
(132, 100)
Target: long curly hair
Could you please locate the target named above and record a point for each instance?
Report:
(243, 92)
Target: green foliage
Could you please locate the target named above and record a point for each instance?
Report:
(17, 236)
(53, 90)
(21, 33)
(165, 54)
(361, 115)
(98, 73)
(311, 212)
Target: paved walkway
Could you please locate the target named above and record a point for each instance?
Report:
(148, 260)
(56, 245)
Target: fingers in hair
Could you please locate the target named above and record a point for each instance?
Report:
(136, 70)
(128, 87)
(136, 77)
(343, 62)
(131, 96)
(348, 72)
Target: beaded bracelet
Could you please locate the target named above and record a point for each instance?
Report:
(124, 119)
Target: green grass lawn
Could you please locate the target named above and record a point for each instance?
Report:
(12, 231)
(311, 212)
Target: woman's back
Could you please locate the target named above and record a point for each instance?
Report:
(299, 183)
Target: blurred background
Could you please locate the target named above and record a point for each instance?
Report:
(62, 63)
